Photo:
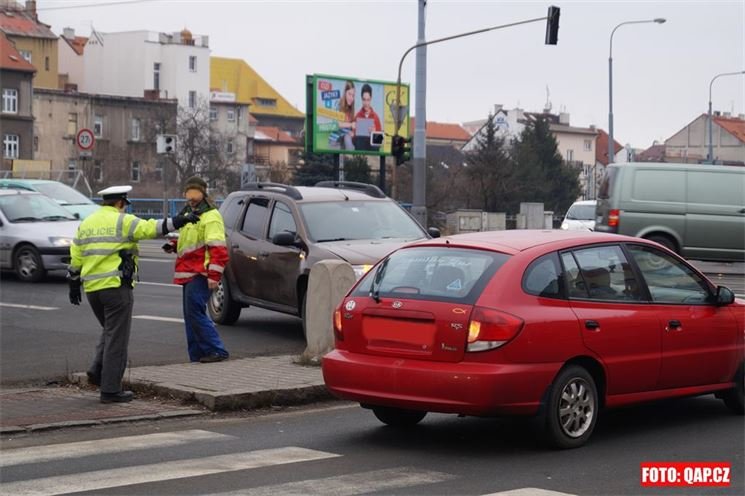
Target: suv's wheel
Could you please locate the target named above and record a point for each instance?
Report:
(398, 417)
(735, 398)
(28, 264)
(221, 306)
(571, 412)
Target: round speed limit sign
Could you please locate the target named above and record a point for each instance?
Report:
(85, 139)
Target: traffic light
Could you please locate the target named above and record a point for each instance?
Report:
(552, 25)
(165, 143)
(401, 149)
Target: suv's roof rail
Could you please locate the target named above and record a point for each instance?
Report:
(370, 189)
(290, 191)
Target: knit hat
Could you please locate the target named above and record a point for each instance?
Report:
(196, 182)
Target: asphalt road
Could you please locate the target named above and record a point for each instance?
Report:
(44, 336)
(343, 450)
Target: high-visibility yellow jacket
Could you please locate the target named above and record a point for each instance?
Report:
(95, 250)
(201, 248)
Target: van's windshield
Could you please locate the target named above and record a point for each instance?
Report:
(607, 185)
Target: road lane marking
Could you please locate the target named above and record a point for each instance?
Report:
(51, 452)
(167, 285)
(155, 317)
(29, 307)
(387, 480)
(157, 472)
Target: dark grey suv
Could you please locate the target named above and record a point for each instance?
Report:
(275, 233)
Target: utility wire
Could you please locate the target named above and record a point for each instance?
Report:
(91, 5)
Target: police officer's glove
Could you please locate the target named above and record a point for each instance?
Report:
(181, 220)
(168, 248)
(75, 294)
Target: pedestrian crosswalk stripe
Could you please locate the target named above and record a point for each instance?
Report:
(529, 491)
(156, 317)
(178, 469)
(52, 452)
(349, 485)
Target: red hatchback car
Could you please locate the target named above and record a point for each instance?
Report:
(551, 323)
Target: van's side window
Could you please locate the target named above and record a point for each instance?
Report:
(668, 280)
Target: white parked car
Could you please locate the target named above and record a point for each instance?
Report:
(580, 216)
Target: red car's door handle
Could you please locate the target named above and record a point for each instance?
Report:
(592, 325)
(673, 325)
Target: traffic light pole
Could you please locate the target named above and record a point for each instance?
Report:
(419, 156)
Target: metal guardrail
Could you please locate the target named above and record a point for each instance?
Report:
(152, 208)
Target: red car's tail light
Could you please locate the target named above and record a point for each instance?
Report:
(614, 216)
(337, 325)
(491, 329)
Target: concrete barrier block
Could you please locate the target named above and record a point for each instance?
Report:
(329, 282)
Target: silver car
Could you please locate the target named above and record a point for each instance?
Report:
(35, 234)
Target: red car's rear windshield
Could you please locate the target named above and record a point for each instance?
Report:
(433, 273)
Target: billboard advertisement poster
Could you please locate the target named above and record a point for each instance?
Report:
(355, 116)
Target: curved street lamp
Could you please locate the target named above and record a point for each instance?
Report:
(710, 154)
(611, 147)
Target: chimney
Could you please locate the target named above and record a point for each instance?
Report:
(518, 114)
(31, 8)
(727, 115)
(741, 117)
(564, 118)
(497, 107)
(68, 33)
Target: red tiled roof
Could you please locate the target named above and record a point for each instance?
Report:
(78, 43)
(443, 131)
(655, 153)
(601, 147)
(736, 127)
(275, 134)
(10, 58)
(15, 22)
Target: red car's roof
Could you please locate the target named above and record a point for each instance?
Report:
(517, 240)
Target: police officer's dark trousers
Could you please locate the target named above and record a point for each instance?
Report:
(113, 309)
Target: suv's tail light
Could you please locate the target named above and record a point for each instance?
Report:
(614, 216)
(491, 329)
(338, 333)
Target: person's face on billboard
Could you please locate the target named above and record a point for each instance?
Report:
(349, 97)
(366, 100)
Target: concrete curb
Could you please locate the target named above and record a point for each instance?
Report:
(10, 430)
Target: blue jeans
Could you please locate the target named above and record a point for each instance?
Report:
(202, 338)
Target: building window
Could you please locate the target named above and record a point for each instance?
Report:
(135, 172)
(159, 170)
(72, 166)
(98, 170)
(26, 55)
(98, 126)
(10, 101)
(192, 63)
(135, 129)
(588, 145)
(156, 76)
(36, 143)
(229, 148)
(570, 155)
(192, 99)
(266, 102)
(231, 115)
(10, 146)
(72, 124)
(46, 63)
(213, 114)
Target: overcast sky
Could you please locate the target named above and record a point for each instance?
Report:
(661, 72)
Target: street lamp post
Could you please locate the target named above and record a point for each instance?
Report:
(710, 154)
(611, 142)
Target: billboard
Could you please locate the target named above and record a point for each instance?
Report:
(354, 116)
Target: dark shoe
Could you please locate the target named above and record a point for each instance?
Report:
(212, 358)
(93, 379)
(120, 397)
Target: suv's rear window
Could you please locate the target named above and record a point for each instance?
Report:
(337, 221)
(607, 185)
(433, 273)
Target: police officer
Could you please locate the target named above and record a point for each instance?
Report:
(104, 258)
